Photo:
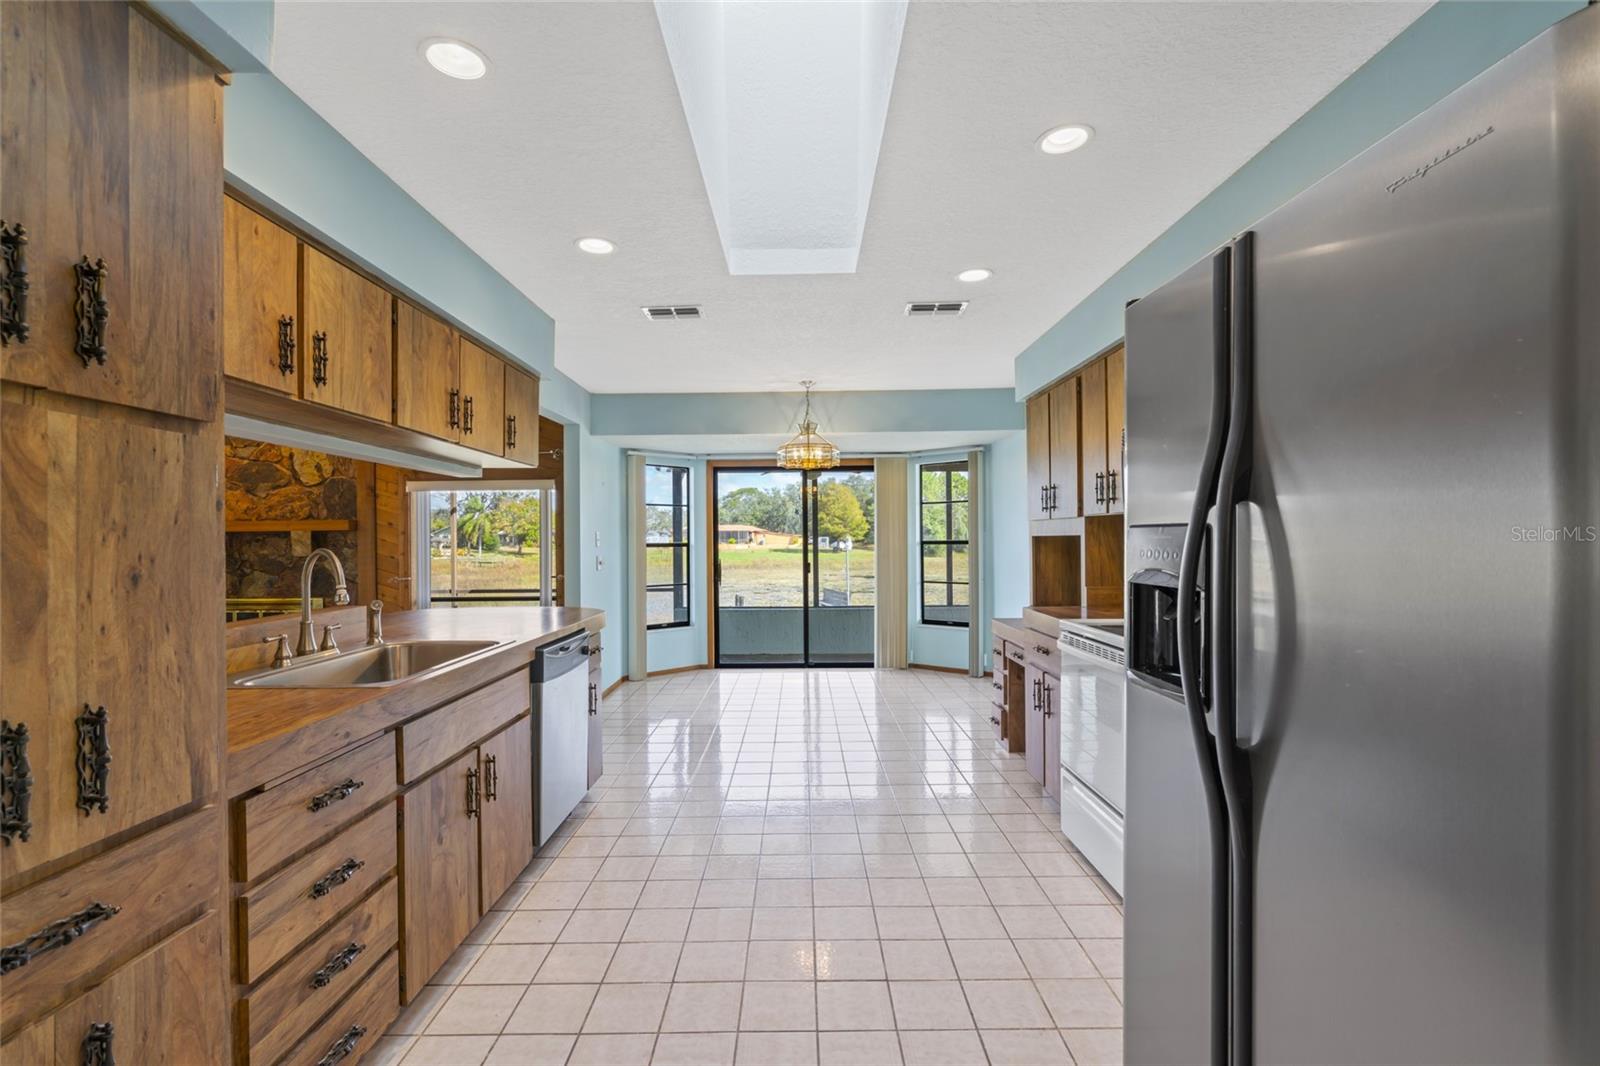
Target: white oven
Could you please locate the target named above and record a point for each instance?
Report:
(1094, 741)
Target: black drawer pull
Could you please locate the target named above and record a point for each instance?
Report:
(16, 782)
(342, 1047)
(335, 877)
(92, 310)
(97, 1045)
(473, 808)
(337, 965)
(491, 778)
(466, 415)
(286, 344)
(94, 760)
(14, 286)
(58, 934)
(511, 431)
(338, 792)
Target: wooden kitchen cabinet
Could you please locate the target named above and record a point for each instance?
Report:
(1050, 706)
(1052, 446)
(1033, 721)
(483, 389)
(439, 867)
(427, 385)
(597, 739)
(1116, 430)
(507, 821)
(111, 165)
(260, 282)
(346, 338)
(522, 416)
(112, 568)
(1092, 450)
(166, 1005)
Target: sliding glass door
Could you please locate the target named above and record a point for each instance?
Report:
(794, 575)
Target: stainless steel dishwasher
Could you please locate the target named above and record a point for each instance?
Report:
(561, 730)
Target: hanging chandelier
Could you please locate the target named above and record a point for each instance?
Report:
(808, 450)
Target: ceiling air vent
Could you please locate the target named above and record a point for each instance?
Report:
(947, 308)
(669, 312)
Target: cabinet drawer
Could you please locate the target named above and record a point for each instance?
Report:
(112, 903)
(274, 824)
(997, 687)
(1013, 652)
(297, 902)
(355, 1025)
(164, 1006)
(430, 741)
(1042, 654)
(281, 1011)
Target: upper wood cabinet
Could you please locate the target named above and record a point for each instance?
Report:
(113, 560)
(522, 416)
(1116, 429)
(1093, 438)
(346, 338)
(483, 399)
(111, 168)
(1052, 451)
(260, 275)
(427, 385)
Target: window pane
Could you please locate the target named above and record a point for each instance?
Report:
(958, 595)
(934, 485)
(847, 578)
(958, 562)
(666, 566)
(664, 607)
(663, 524)
(935, 594)
(666, 484)
(958, 483)
(934, 521)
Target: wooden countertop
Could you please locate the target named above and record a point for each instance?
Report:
(274, 731)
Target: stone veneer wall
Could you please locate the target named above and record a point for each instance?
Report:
(269, 482)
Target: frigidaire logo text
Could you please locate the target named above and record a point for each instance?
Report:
(1163, 555)
(1422, 171)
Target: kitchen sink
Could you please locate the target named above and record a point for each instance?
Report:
(385, 664)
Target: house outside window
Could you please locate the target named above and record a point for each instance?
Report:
(666, 546)
(943, 517)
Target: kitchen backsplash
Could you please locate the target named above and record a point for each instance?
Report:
(271, 483)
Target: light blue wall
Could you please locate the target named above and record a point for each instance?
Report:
(1008, 541)
(699, 413)
(1450, 44)
(601, 509)
(238, 33)
(670, 649)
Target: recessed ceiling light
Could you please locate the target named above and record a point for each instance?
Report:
(455, 58)
(595, 245)
(1064, 139)
(975, 274)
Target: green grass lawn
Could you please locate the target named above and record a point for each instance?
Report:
(491, 570)
(771, 577)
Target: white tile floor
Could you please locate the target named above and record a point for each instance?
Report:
(791, 866)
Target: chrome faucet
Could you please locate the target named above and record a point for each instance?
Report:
(341, 596)
(375, 622)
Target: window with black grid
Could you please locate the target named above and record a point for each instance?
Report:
(666, 546)
(943, 517)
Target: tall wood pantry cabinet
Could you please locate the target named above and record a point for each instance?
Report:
(111, 577)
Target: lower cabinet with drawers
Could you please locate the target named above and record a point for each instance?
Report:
(1027, 700)
(355, 878)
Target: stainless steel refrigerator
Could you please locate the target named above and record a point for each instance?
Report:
(1363, 809)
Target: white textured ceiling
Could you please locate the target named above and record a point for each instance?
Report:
(578, 130)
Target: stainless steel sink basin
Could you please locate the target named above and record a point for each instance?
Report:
(386, 664)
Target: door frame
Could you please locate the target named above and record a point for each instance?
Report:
(808, 542)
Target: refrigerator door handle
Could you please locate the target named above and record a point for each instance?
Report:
(1233, 476)
(1190, 651)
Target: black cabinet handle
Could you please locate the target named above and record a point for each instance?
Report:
(286, 344)
(1111, 486)
(491, 778)
(466, 415)
(342, 1047)
(1044, 698)
(455, 408)
(58, 934)
(94, 760)
(335, 877)
(1100, 487)
(594, 698)
(14, 284)
(338, 964)
(473, 808)
(338, 792)
(16, 782)
(511, 431)
(92, 310)
(97, 1045)
(319, 358)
